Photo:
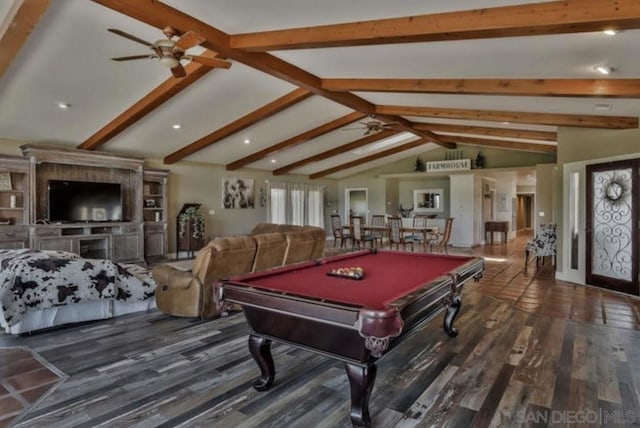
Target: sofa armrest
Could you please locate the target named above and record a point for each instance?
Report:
(166, 275)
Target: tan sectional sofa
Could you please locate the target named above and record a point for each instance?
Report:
(188, 290)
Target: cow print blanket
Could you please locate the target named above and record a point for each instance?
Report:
(34, 279)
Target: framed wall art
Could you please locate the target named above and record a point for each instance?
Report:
(238, 193)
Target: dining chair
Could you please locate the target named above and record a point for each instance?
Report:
(441, 240)
(358, 234)
(417, 236)
(339, 231)
(395, 234)
(379, 221)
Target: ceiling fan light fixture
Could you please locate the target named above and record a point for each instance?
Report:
(169, 61)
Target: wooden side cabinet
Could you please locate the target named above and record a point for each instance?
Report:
(155, 241)
(14, 237)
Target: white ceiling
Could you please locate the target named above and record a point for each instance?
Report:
(67, 59)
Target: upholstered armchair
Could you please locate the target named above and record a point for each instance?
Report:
(543, 244)
(190, 293)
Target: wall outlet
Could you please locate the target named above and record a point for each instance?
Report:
(212, 212)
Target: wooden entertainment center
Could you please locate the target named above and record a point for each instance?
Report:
(24, 223)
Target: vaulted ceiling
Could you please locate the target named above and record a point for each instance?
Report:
(306, 75)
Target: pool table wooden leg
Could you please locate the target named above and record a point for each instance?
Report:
(361, 380)
(260, 349)
(452, 312)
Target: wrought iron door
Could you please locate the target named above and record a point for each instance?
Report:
(612, 226)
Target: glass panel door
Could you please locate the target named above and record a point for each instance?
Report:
(612, 217)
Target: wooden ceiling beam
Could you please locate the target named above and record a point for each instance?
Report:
(296, 140)
(335, 152)
(587, 121)
(556, 17)
(157, 14)
(267, 110)
(365, 159)
(147, 104)
(502, 144)
(610, 88)
(485, 130)
(22, 19)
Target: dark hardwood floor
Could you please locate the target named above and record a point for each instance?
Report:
(532, 351)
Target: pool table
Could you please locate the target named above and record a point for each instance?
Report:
(357, 321)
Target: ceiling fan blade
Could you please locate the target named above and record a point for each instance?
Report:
(130, 37)
(210, 62)
(189, 40)
(129, 58)
(178, 71)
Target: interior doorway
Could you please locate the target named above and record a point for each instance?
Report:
(356, 203)
(524, 218)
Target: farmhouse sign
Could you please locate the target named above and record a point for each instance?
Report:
(449, 165)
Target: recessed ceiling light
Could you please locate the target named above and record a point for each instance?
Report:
(602, 107)
(247, 141)
(610, 32)
(63, 106)
(273, 161)
(603, 69)
(176, 126)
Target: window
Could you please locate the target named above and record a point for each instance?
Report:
(277, 205)
(299, 204)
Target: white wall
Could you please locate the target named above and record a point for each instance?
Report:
(462, 210)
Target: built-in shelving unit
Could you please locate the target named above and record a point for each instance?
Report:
(14, 202)
(24, 204)
(154, 212)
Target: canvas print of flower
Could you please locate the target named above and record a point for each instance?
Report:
(237, 193)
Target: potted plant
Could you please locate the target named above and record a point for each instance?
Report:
(193, 216)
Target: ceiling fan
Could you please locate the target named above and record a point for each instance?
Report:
(373, 125)
(169, 52)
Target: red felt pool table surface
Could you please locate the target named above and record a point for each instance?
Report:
(388, 275)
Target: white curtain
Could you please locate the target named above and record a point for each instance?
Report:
(293, 203)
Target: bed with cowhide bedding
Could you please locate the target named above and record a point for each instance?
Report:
(42, 289)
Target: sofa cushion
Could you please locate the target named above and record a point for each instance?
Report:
(283, 228)
(270, 252)
(319, 237)
(261, 228)
(299, 246)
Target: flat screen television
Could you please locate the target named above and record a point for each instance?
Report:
(83, 201)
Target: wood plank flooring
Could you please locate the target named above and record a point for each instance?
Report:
(531, 352)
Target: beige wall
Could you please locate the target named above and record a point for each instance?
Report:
(202, 183)
(580, 144)
(11, 147)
